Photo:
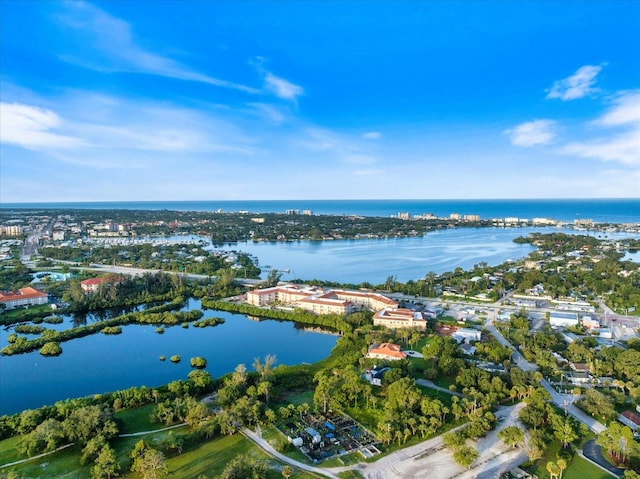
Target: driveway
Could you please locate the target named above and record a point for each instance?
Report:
(594, 452)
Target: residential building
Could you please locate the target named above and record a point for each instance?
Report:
(387, 351)
(314, 299)
(375, 375)
(631, 419)
(23, 297)
(468, 349)
(91, 285)
(466, 335)
(394, 318)
(579, 377)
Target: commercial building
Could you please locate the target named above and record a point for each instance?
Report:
(23, 297)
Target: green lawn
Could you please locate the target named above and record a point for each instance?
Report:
(442, 396)
(137, 420)
(9, 450)
(208, 458)
(578, 468)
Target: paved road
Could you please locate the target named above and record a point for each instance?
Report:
(561, 400)
(593, 452)
(432, 385)
(256, 438)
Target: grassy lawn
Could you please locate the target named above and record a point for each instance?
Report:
(21, 314)
(207, 458)
(577, 468)
(9, 450)
(296, 398)
(442, 396)
(64, 465)
(444, 381)
(137, 420)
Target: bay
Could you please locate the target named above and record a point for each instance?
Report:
(601, 210)
(102, 363)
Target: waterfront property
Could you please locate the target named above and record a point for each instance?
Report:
(317, 300)
(28, 296)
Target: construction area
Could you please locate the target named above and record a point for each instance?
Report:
(324, 436)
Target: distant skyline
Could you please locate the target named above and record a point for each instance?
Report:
(222, 100)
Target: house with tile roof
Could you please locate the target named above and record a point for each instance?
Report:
(388, 351)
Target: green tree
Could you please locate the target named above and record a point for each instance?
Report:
(511, 435)
(245, 467)
(106, 464)
(151, 464)
(553, 469)
(562, 465)
(465, 456)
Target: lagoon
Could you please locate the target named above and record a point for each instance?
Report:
(373, 260)
(102, 363)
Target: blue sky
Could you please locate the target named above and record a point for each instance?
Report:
(221, 100)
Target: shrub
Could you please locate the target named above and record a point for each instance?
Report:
(111, 330)
(175, 358)
(51, 349)
(198, 362)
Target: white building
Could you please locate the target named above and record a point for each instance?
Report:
(466, 335)
(564, 320)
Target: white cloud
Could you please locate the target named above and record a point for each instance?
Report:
(578, 85)
(372, 135)
(33, 128)
(626, 110)
(268, 112)
(624, 144)
(532, 133)
(113, 48)
(282, 88)
(624, 148)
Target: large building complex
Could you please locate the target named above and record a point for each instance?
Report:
(23, 297)
(334, 301)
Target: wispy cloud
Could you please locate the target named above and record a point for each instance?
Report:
(282, 88)
(622, 146)
(372, 135)
(578, 85)
(532, 133)
(100, 131)
(113, 48)
(33, 128)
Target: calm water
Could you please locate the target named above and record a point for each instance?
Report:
(102, 363)
(599, 210)
(357, 261)
(374, 260)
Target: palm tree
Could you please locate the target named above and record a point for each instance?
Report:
(553, 469)
(562, 465)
